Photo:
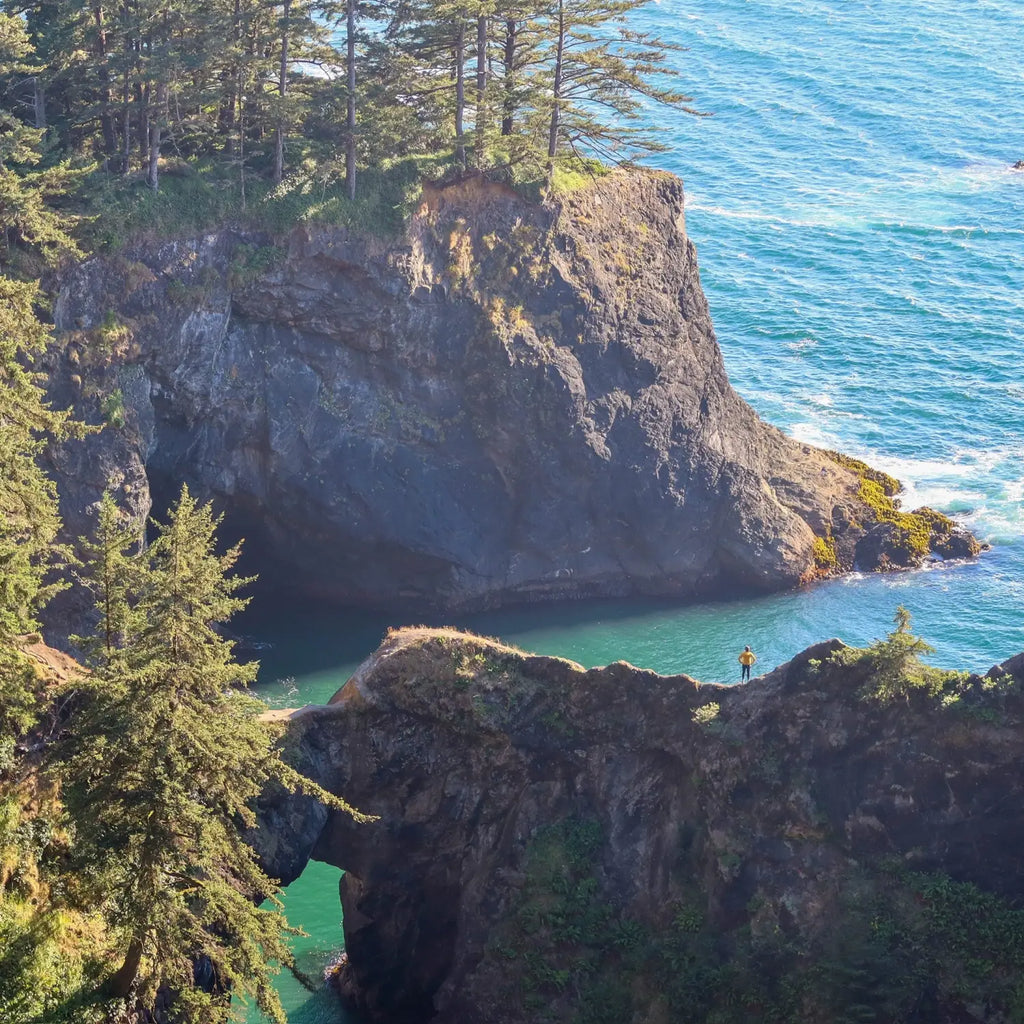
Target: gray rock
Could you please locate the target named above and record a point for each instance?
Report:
(509, 402)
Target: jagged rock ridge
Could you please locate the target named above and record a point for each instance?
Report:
(560, 844)
(508, 402)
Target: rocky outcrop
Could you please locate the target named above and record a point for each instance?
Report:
(507, 402)
(560, 844)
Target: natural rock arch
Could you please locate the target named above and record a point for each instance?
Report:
(753, 806)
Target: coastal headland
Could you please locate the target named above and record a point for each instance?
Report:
(506, 401)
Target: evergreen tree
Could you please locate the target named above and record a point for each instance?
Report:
(896, 661)
(433, 43)
(165, 755)
(29, 230)
(112, 576)
(28, 501)
(601, 71)
(26, 219)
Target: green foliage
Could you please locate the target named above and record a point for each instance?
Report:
(574, 174)
(42, 968)
(215, 104)
(28, 500)
(825, 558)
(904, 934)
(26, 217)
(249, 262)
(895, 663)
(112, 408)
(706, 713)
(165, 754)
(896, 939)
(604, 74)
(210, 198)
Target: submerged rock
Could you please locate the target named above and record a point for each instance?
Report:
(560, 844)
(507, 402)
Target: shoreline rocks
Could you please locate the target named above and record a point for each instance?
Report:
(554, 840)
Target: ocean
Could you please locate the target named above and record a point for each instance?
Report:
(860, 234)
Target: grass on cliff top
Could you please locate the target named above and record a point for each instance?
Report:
(474, 682)
(196, 198)
(404, 637)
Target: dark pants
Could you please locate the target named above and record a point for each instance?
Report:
(745, 674)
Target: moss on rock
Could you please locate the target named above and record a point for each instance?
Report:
(898, 539)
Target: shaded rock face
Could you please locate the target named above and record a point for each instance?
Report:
(510, 402)
(563, 844)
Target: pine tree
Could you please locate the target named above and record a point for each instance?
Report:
(600, 72)
(165, 756)
(28, 501)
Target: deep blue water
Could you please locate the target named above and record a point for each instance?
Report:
(861, 242)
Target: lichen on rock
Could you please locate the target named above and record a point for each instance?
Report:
(895, 539)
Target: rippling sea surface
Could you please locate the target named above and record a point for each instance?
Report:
(861, 242)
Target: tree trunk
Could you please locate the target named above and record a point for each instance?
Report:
(556, 91)
(460, 94)
(39, 103)
(350, 120)
(126, 126)
(156, 119)
(119, 984)
(481, 87)
(142, 97)
(103, 72)
(282, 91)
(241, 131)
(229, 80)
(511, 38)
(126, 94)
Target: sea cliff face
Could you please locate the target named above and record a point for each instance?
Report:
(507, 402)
(613, 845)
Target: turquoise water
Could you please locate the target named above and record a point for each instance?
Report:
(861, 240)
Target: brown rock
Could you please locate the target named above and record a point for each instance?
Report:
(538, 818)
(508, 402)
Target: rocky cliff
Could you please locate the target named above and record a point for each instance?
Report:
(507, 402)
(819, 845)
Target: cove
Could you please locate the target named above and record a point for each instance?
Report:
(858, 230)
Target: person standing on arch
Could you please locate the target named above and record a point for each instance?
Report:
(747, 658)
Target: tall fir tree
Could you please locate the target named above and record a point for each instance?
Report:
(28, 501)
(164, 758)
(601, 72)
(29, 522)
(28, 224)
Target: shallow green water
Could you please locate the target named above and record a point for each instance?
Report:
(311, 902)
